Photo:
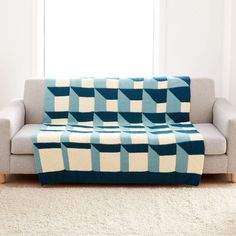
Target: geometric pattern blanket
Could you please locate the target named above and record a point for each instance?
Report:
(111, 130)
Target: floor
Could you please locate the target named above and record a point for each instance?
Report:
(26, 208)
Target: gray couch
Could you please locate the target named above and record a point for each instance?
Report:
(214, 117)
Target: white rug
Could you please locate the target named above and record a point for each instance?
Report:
(111, 210)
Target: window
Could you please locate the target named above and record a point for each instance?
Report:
(99, 37)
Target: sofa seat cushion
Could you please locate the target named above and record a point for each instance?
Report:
(215, 142)
(22, 142)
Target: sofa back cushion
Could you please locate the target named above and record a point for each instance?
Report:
(202, 100)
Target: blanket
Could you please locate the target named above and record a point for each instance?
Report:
(111, 130)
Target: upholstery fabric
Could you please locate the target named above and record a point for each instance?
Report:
(119, 125)
(11, 120)
(202, 100)
(34, 94)
(214, 141)
(224, 118)
(22, 164)
(21, 143)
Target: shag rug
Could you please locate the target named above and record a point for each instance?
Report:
(28, 209)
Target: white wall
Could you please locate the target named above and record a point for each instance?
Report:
(199, 40)
(15, 47)
(232, 87)
(194, 36)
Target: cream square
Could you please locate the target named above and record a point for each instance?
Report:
(166, 138)
(87, 83)
(51, 159)
(195, 164)
(59, 121)
(185, 107)
(162, 84)
(135, 124)
(61, 103)
(138, 129)
(80, 159)
(138, 84)
(62, 82)
(138, 162)
(195, 136)
(88, 123)
(49, 137)
(109, 138)
(164, 129)
(110, 123)
(111, 105)
(135, 106)
(56, 127)
(109, 161)
(80, 137)
(86, 104)
(188, 128)
(112, 83)
(161, 107)
(139, 138)
(167, 163)
(83, 129)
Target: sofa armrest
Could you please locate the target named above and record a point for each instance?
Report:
(224, 118)
(11, 120)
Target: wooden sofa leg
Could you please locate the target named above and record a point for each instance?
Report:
(233, 178)
(2, 178)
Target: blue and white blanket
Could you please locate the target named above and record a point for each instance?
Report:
(111, 130)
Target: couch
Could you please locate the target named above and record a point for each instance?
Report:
(215, 118)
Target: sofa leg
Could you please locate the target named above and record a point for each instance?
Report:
(3, 178)
(233, 178)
